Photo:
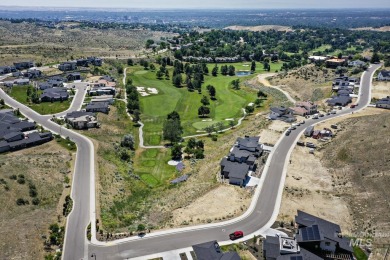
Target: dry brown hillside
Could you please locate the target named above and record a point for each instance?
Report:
(359, 160)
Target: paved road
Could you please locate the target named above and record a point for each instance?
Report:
(263, 215)
(75, 240)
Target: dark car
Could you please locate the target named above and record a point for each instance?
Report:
(320, 115)
(301, 143)
(311, 145)
(288, 132)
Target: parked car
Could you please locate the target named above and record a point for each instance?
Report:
(288, 132)
(236, 234)
(292, 128)
(303, 122)
(315, 116)
(328, 113)
(321, 115)
(301, 143)
(311, 145)
(333, 112)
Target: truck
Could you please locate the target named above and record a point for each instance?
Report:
(236, 234)
(309, 131)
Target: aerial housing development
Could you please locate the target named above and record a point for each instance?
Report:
(195, 131)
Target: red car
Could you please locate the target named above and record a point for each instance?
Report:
(236, 234)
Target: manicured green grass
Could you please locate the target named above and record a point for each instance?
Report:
(155, 108)
(321, 48)
(359, 253)
(20, 94)
(152, 166)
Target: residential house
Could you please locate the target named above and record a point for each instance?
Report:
(82, 62)
(24, 65)
(95, 61)
(81, 120)
(315, 58)
(356, 63)
(73, 76)
(104, 98)
(241, 160)
(212, 251)
(384, 75)
(7, 69)
(68, 66)
(339, 100)
(98, 107)
(304, 108)
(315, 238)
(107, 78)
(98, 91)
(334, 63)
(33, 73)
(383, 103)
(315, 231)
(12, 136)
(282, 113)
(54, 94)
(17, 82)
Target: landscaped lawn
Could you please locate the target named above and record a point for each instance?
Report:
(20, 94)
(155, 108)
(152, 166)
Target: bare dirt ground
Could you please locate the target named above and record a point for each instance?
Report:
(195, 213)
(306, 83)
(259, 28)
(380, 89)
(22, 227)
(345, 180)
(26, 41)
(380, 29)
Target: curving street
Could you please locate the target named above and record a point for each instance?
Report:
(259, 217)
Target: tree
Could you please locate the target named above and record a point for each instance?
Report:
(205, 101)
(249, 109)
(120, 70)
(209, 129)
(253, 66)
(191, 144)
(220, 126)
(177, 79)
(141, 227)
(173, 115)
(128, 141)
(136, 115)
(203, 111)
(159, 74)
(261, 94)
(176, 152)
(149, 42)
(166, 74)
(152, 67)
(130, 62)
(232, 70)
(236, 84)
(258, 102)
(224, 70)
(212, 91)
(214, 72)
(172, 129)
(231, 123)
(375, 58)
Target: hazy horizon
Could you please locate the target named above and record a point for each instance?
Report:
(202, 4)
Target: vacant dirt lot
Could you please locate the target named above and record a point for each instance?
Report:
(380, 29)
(306, 83)
(380, 89)
(196, 212)
(22, 227)
(259, 28)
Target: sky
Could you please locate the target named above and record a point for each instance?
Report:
(205, 4)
